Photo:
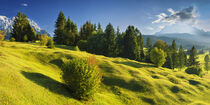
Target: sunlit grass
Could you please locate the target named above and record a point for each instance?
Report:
(30, 75)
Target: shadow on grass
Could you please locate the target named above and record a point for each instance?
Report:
(140, 85)
(133, 64)
(48, 83)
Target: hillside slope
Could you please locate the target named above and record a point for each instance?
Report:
(30, 75)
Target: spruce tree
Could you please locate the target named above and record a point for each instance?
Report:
(20, 27)
(59, 28)
(174, 54)
(130, 49)
(193, 57)
(149, 48)
(31, 33)
(99, 30)
(168, 62)
(181, 57)
(110, 44)
(86, 30)
(206, 59)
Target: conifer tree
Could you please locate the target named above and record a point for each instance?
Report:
(110, 44)
(206, 59)
(86, 30)
(31, 33)
(130, 49)
(181, 57)
(193, 57)
(59, 28)
(20, 27)
(99, 30)
(174, 54)
(149, 48)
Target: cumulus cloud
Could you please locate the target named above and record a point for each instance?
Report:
(185, 15)
(24, 4)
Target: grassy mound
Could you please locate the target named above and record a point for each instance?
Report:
(30, 75)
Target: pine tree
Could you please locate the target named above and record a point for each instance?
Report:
(181, 57)
(110, 44)
(99, 30)
(168, 62)
(149, 48)
(20, 27)
(86, 30)
(206, 59)
(174, 54)
(31, 34)
(193, 57)
(130, 49)
(59, 28)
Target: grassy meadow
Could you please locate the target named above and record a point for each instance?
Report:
(30, 75)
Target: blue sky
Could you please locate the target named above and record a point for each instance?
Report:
(140, 13)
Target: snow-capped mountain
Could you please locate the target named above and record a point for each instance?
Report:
(6, 24)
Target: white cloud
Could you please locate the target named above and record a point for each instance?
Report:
(161, 26)
(24, 4)
(150, 28)
(185, 15)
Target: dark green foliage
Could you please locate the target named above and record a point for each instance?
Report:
(149, 48)
(181, 57)
(59, 28)
(174, 54)
(157, 56)
(194, 70)
(50, 43)
(161, 45)
(130, 49)
(81, 77)
(109, 41)
(192, 61)
(96, 44)
(206, 59)
(168, 62)
(22, 31)
(119, 43)
(86, 31)
(70, 33)
(140, 42)
(82, 44)
(99, 30)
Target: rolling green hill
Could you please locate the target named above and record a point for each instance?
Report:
(30, 75)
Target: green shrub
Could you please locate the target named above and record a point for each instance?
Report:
(76, 48)
(81, 77)
(82, 44)
(157, 56)
(50, 43)
(12, 39)
(194, 70)
(44, 40)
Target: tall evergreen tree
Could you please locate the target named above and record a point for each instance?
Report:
(110, 44)
(149, 48)
(86, 30)
(174, 54)
(20, 27)
(99, 30)
(192, 61)
(31, 33)
(140, 42)
(130, 49)
(181, 57)
(59, 28)
(168, 62)
(206, 59)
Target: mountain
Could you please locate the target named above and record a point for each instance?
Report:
(6, 25)
(186, 35)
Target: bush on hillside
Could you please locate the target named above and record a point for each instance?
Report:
(82, 44)
(50, 43)
(157, 56)
(194, 70)
(76, 48)
(12, 39)
(2, 35)
(81, 77)
(44, 40)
